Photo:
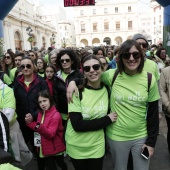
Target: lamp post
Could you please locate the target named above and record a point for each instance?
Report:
(64, 42)
(30, 34)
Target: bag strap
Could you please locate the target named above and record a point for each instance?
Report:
(149, 75)
(114, 77)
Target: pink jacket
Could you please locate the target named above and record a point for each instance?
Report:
(51, 131)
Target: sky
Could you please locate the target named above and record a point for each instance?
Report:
(69, 10)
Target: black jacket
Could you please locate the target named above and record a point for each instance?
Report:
(27, 101)
(60, 87)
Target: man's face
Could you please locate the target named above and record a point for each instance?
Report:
(18, 61)
(143, 45)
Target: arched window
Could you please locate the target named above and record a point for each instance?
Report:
(18, 41)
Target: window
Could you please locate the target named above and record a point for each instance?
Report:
(105, 11)
(94, 27)
(106, 25)
(65, 27)
(117, 26)
(83, 28)
(116, 9)
(94, 11)
(129, 9)
(129, 25)
(81, 12)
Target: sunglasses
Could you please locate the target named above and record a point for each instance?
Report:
(66, 60)
(95, 67)
(127, 55)
(144, 45)
(28, 66)
(31, 55)
(7, 57)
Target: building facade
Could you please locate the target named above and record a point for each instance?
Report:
(157, 20)
(24, 17)
(108, 22)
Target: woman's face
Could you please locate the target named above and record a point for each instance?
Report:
(32, 56)
(131, 65)
(53, 58)
(49, 72)
(92, 71)
(44, 103)
(27, 67)
(39, 64)
(99, 53)
(66, 62)
(104, 62)
(8, 59)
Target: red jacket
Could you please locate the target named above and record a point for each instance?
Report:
(51, 131)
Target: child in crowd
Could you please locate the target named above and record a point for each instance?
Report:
(48, 135)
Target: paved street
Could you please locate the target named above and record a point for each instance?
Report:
(160, 160)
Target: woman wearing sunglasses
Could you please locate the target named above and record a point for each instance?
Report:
(67, 63)
(26, 89)
(136, 106)
(8, 63)
(85, 141)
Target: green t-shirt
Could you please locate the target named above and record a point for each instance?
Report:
(6, 79)
(13, 73)
(8, 166)
(151, 67)
(7, 100)
(129, 97)
(41, 74)
(91, 144)
(46, 58)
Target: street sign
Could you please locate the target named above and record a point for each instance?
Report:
(72, 3)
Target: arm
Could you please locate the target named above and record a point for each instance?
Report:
(81, 125)
(152, 123)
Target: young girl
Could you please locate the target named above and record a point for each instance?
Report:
(48, 135)
(49, 77)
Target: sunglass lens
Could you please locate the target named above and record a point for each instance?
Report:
(86, 68)
(126, 55)
(136, 55)
(96, 66)
(28, 66)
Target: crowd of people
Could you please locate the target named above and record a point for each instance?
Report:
(75, 101)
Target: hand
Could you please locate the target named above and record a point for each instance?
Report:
(70, 89)
(28, 118)
(150, 150)
(113, 116)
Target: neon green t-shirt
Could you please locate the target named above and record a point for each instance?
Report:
(41, 74)
(91, 144)
(46, 58)
(129, 97)
(12, 71)
(151, 67)
(6, 79)
(8, 166)
(7, 100)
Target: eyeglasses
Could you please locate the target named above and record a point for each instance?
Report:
(66, 60)
(95, 67)
(144, 45)
(126, 56)
(31, 55)
(28, 66)
(7, 57)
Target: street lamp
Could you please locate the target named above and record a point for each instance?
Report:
(30, 34)
(64, 42)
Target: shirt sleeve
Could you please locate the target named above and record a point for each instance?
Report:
(107, 77)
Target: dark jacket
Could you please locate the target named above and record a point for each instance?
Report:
(27, 99)
(60, 89)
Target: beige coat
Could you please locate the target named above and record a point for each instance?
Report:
(165, 89)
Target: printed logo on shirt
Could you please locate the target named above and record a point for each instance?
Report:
(134, 100)
(99, 110)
